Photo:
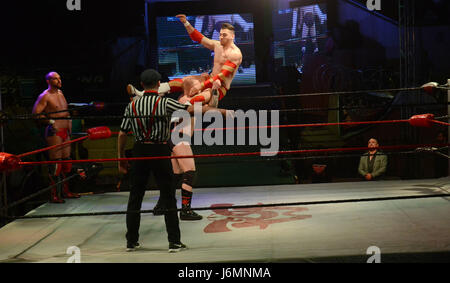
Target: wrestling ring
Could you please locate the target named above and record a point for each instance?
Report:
(408, 220)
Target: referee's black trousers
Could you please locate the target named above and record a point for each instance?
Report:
(140, 172)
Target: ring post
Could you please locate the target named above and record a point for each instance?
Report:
(3, 197)
(448, 113)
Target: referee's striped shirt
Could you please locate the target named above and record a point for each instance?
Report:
(160, 129)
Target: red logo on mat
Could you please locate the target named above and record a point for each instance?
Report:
(262, 217)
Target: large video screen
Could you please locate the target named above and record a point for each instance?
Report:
(179, 56)
(298, 32)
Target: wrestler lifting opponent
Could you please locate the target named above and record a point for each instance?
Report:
(227, 58)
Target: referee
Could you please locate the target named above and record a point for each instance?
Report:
(152, 136)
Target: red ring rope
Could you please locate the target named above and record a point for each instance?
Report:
(51, 147)
(65, 143)
(309, 125)
(304, 125)
(440, 122)
(238, 128)
(233, 154)
(424, 118)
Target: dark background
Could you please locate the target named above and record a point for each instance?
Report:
(38, 36)
(101, 48)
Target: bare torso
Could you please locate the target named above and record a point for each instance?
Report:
(52, 102)
(221, 55)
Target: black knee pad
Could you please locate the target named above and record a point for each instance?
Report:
(188, 177)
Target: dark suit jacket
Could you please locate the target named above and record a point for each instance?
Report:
(379, 167)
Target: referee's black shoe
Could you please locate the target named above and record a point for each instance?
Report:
(131, 247)
(173, 247)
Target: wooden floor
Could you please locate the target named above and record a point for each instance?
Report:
(402, 230)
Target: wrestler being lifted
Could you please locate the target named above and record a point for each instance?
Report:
(227, 58)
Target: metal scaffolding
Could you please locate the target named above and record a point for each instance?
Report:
(407, 43)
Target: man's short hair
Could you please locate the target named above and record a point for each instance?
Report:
(150, 78)
(228, 26)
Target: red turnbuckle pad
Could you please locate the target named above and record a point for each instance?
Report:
(99, 105)
(98, 133)
(430, 87)
(422, 120)
(9, 162)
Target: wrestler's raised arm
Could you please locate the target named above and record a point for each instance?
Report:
(196, 35)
